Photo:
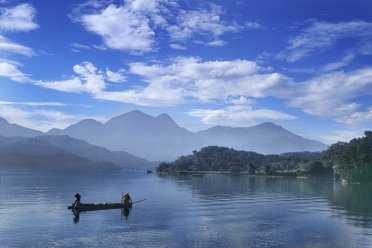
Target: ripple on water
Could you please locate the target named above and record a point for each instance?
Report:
(212, 211)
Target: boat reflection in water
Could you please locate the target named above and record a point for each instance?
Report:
(124, 212)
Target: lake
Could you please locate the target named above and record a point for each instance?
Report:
(183, 211)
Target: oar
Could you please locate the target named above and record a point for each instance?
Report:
(139, 201)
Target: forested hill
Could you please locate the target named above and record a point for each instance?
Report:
(63, 152)
(353, 160)
(223, 159)
(350, 161)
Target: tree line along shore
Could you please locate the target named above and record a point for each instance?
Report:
(348, 161)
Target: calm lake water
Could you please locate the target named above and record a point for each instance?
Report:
(183, 211)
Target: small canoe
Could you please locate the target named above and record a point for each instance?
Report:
(98, 206)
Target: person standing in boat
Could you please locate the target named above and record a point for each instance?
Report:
(77, 201)
(126, 199)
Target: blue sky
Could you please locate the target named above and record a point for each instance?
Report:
(305, 65)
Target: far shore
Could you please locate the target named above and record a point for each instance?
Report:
(242, 173)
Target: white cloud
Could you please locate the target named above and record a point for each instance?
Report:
(341, 135)
(323, 35)
(242, 101)
(205, 22)
(133, 25)
(92, 79)
(89, 80)
(357, 117)
(42, 115)
(100, 47)
(116, 77)
(253, 25)
(121, 28)
(144, 6)
(149, 96)
(238, 82)
(10, 70)
(185, 78)
(77, 47)
(7, 46)
(332, 94)
(177, 46)
(238, 116)
(343, 62)
(39, 119)
(54, 104)
(73, 85)
(216, 43)
(19, 18)
(212, 80)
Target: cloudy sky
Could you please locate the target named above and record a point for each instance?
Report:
(304, 65)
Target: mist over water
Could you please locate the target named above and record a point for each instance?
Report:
(183, 211)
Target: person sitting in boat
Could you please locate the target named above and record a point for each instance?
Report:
(77, 201)
(126, 198)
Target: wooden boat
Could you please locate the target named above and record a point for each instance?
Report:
(99, 206)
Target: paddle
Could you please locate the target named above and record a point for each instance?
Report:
(139, 201)
(126, 211)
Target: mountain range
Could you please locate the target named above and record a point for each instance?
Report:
(153, 138)
(64, 152)
(161, 139)
(31, 153)
(265, 138)
(7, 129)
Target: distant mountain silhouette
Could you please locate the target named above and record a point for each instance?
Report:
(265, 138)
(95, 153)
(9, 130)
(153, 138)
(160, 138)
(71, 151)
(36, 154)
(83, 128)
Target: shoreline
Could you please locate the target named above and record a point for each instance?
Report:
(243, 173)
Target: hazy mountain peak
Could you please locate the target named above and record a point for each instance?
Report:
(165, 119)
(86, 123)
(7, 129)
(163, 116)
(266, 138)
(269, 125)
(89, 122)
(134, 115)
(135, 112)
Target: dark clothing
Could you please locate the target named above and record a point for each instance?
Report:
(127, 199)
(77, 201)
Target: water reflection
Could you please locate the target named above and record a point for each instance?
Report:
(76, 216)
(125, 212)
(352, 201)
(184, 211)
